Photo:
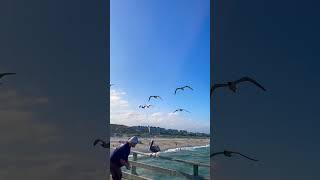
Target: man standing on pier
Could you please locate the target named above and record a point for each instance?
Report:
(120, 156)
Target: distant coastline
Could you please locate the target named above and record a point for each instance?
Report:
(164, 143)
(117, 130)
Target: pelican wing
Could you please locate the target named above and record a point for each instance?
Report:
(175, 92)
(98, 140)
(158, 148)
(106, 145)
(150, 97)
(217, 86)
(186, 110)
(245, 156)
(189, 87)
(250, 80)
(217, 153)
(5, 74)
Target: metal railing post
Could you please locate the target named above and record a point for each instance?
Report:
(195, 170)
(134, 168)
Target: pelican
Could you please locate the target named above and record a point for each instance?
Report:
(229, 154)
(232, 85)
(6, 74)
(154, 148)
(103, 144)
(182, 88)
(181, 110)
(156, 97)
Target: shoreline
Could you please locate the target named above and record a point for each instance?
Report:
(165, 144)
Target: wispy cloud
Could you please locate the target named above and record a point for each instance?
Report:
(20, 127)
(13, 100)
(122, 113)
(116, 99)
(18, 122)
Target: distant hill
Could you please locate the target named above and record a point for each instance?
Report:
(143, 131)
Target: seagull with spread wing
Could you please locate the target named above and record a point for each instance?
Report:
(233, 84)
(182, 88)
(148, 106)
(180, 110)
(229, 154)
(103, 143)
(156, 97)
(6, 74)
(145, 106)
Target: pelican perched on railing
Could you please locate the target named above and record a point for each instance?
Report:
(154, 148)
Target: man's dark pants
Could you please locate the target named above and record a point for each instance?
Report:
(115, 171)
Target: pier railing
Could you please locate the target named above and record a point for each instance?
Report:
(134, 164)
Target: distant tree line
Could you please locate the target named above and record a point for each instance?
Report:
(143, 131)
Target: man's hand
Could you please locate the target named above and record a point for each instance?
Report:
(123, 162)
(126, 163)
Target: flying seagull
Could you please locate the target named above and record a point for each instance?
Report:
(148, 106)
(5, 74)
(229, 154)
(156, 97)
(180, 110)
(145, 106)
(232, 85)
(103, 144)
(182, 88)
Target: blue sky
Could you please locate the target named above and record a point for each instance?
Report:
(157, 46)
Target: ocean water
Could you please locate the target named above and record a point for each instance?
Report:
(197, 154)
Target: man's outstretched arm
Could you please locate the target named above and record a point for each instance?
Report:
(125, 163)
